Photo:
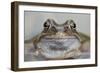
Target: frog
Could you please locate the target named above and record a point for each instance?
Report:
(58, 41)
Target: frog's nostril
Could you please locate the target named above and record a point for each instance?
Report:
(66, 28)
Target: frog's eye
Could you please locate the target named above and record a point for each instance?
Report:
(46, 24)
(73, 25)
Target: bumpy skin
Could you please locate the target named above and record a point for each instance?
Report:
(58, 41)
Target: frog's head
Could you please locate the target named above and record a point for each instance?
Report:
(50, 26)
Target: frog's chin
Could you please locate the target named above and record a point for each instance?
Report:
(61, 54)
(60, 35)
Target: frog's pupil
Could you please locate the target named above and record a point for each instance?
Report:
(46, 24)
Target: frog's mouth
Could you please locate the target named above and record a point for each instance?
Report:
(59, 35)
